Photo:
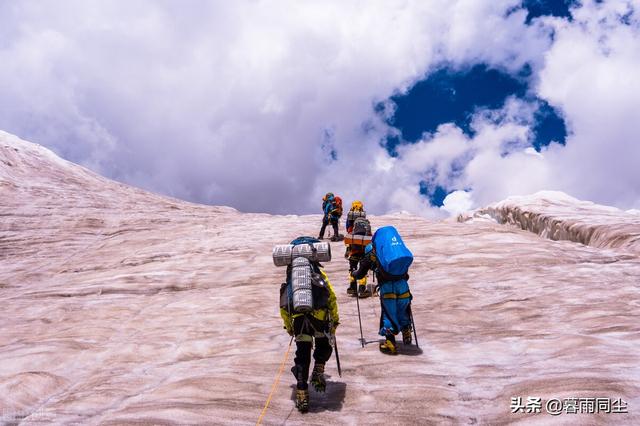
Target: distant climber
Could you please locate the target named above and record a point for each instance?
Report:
(357, 224)
(332, 211)
(309, 309)
(390, 259)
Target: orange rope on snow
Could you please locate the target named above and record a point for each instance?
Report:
(275, 383)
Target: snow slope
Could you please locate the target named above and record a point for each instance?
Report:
(121, 306)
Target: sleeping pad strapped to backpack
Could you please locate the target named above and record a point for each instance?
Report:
(305, 289)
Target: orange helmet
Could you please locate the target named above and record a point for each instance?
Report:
(357, 206)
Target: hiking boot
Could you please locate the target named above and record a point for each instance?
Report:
(334, 238)
(363, 291)
(317, 378)
(388, 347)
(406, 336)
(352, 289)
(302, 400)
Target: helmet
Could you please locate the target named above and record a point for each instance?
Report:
(357, 206)
(328, 196)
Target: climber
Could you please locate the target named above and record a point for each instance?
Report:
(316, 323)
(332, 209)
(357, 224)
(390, 259)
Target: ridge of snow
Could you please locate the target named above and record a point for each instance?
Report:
(558, 216)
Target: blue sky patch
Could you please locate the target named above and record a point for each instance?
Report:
(549, 127)
(436, 194)
(536, 8)
(449, 96)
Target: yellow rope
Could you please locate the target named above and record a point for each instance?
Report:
(275, 383)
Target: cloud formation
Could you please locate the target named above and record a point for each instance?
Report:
(264, 106)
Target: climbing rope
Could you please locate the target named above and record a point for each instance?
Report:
(275, 383)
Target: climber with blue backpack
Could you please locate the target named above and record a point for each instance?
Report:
(390, 259)
(309, 310)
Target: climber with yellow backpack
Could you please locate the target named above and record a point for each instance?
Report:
(309, 310)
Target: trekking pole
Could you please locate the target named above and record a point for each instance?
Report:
(359, 319)
(413, 324)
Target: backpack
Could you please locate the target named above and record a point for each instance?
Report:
(352, 215)
(307, 301)
(361, 226)
(393, 256)
(328, 198)
(311, 290)
(337, 206)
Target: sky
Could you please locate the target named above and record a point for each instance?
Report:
(430, 107)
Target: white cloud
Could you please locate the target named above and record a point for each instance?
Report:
(457, 202)
(230, 102)
(590, 73)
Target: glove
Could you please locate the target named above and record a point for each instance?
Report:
(289, 330)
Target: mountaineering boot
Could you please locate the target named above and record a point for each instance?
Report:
(302, 400)
(317, 378)
(363, 291)
(352, 289)
(389, 345)
(406, 335)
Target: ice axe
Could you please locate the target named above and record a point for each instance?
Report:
(335, 346)
(334, 343)
(362, 341)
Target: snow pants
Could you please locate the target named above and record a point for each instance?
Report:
(334, 225)
(306, 336)
(395, 299)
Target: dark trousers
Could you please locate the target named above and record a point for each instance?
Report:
(302, 361)
(325, 222)
(306, 334)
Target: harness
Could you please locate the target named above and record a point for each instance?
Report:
(397, 296)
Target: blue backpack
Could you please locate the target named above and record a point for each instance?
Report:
(394, 257)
